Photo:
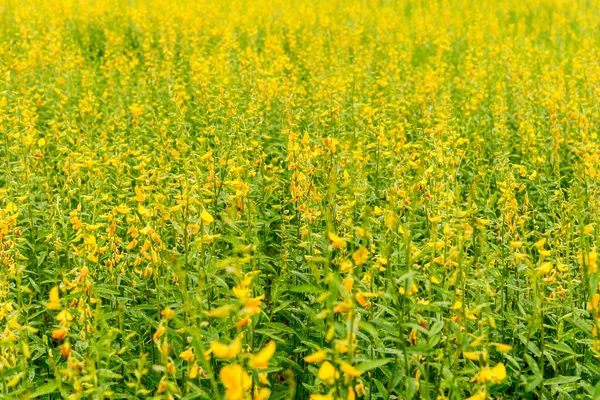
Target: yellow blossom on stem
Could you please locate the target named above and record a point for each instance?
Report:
(187, 355)
(327, 373)
(159, 332)
(224, 351)
(349, 371)
(60, 333)
(336, 241)
(237, 382)
(54, 302)
(360, 256)
(315, 357)
(206, 218)
(494, 375)
(221, 312)
(261, 359)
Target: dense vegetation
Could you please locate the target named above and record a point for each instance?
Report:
(331, 199)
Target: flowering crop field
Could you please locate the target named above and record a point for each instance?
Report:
(299, 199)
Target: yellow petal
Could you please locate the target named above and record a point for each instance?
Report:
(499, 373)
(545, 268)
(327, 373)
(206, 217)
(502, 348)
(478, 396)
(336, 241)
(315, 357)
(54, 303)
(360, 256)
(221, 312)
(187, 355)
(349, 370)
(261, 359)
(472, 355)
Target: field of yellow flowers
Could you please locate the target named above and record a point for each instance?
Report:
(299, 199)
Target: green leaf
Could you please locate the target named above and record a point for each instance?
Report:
(536, 379)
(381, 388)
(305, 289)
(560, 347)
(369, 365)
(596, 394)
(44, 390)
(561, 380)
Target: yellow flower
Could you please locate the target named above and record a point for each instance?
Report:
(351, 394)
(341, 346)
(65, 349)
(315, 357)
(262, 378)
(236, 381)
(327, 373)
(171, 367)
(252, 306)
(412, 290)
(187, 355)
(206, 218)
(54, 302)
(261, 359)
(336, 241)
(592, 260)
(499, 373)
(168, 313)
(262, 394)
(136, 110)
(139, 194)
(344, 306)
(457, 305)
(472, 355)
(361, 298)
(349, 370)
(242, 322)
(348, 283)
(544, 253)
(241, 292)
(193, 371)
(494, 375)
(224, 351)
(11, 207)
(478, 396)
(221, 312)
(545, 268)
(593, 304)
(14, 381)
(162, 385)
(142, 210)
(359, 388)
(502, 348)
(159, 332)
(360, 256)
(64, 318)
(59, 333)
(321, 396)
